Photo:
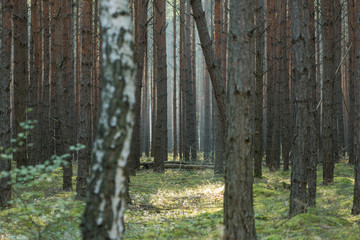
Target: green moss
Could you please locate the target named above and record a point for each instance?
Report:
(189, 205)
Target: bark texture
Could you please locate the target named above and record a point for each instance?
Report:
(106, 198)
(85, 99)
(238, 207)
(356, 203)
(300, 34)
(328, 92)
(5, 69)
(161, 142)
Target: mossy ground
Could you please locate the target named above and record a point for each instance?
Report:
(188, 205)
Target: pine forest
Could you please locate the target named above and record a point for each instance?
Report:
(179, 119)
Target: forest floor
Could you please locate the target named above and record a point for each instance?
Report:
(186, 205)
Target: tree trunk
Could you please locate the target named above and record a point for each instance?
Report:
(20, 76)
(106, 200)
(258, 115)
(356, 203)
(352, 71)
(212, 62)
(270, 95)
(65, 96)
(161, 142)
(175, 147)
(284, 88)
(315, 130)
(299, 12)
(328, 91)
(35, 80)
(85, 99)
(238, 207)
(5, 107)
(44, 123)
(140, 44)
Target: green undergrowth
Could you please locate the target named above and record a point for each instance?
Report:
(188, 205)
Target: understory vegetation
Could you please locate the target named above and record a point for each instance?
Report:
(185, 205)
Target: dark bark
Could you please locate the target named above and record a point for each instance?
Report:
(20, 76)
(352, 70)
(66, 106)
(161, 142)
(44, 123)
(356, 203)
(270, 88)
(284, 113)
(328, 92)
(35, 81)
(315, 130)
(239, 221)
(303, 97)
(5, 113)
(259, 95)
(85, 99)
(212, 62)
(175, 145)
(140, 45)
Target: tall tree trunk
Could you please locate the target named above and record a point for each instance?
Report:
(239, 221)
(140, 44)
(44, 123)
(85, 99)
(352, 71)
(303, 113)
(212, 62)
(65, 96)
(35, 80)
(284, 89)
(338, 101)
(220, 134)
(315, 130)
(5, 107)
(161, 95)
(356, 203)
(175, 82)
(258, 115)
(106, 199)
(271, 61)
(20, 76)
(328, 91)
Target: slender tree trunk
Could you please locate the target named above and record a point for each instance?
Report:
(284, 113)
(20, 76)
(339, 115)
(35, 80)
(270, 104)
(352, 70)
(258, 116)
(5, 107)
(212, 62)
(45, 132)
(175, 82)
(315, 130)
(356, 203)
(65, 96)
(106, 199)
(239, 221)
(140, 44)
(85, 99)
(161, 142)
(303, 116)
(328, 91)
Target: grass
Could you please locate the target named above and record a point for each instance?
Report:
(188, 205)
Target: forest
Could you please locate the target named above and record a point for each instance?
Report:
(179, 119)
